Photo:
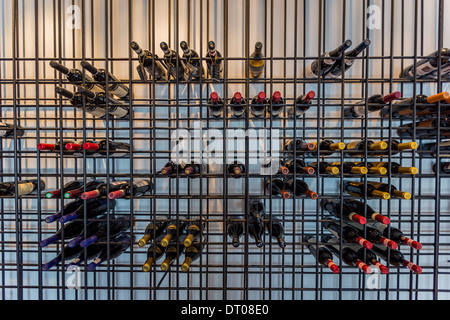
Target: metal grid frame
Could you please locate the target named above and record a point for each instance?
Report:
(290, 264)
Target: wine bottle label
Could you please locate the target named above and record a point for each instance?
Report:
(97, 261)
(96, 111)
(118, 183)
(3, 133)
(118, 112)
(309, 72)
(422, 70)
(25, 188)
(359, 110)
(378, 225)
(119, 90)
(140, 184)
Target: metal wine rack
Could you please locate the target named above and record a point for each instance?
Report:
(294, 33)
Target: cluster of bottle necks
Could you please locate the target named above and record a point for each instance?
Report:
(359, 236)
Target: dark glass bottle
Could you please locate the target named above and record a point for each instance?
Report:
(259, 104)
(173, 251)
(76, 77)
(360, 207)
(370, 258)
(193, 66)
(154, 253)
(137, 188)
(426, 66)
(193, 170)
(71, 185)
(404, 109)
(302, 104)
(347, 233)
(149, 63)
(352, 167)
(326, 61)
(384, 187)
(192, 253)
(324, 167)
(108, 231)
(215, 105)
(115, 107)
(238, 105)
(171, 168)
(173, 62)
(24, 187)
(76, 99)
(94, 207)
(57, 147)
(235, 229)
(256, 230)
(194, 229)
(277, 187)
(115, 148)
(395, 168)
(66, 252)
(174, 230)
(256, 209)
(301, 188)
(92, 252)
(71, 230)
(299, 166)
(320, 252)
(430, 149)
(214, 62)
(277, 104)
(75, 193)
(395, 234)
(276, 230)
(153, 231)
(358, 148)
(102, 189)
(236, 169)
(374, 103)
(327, 147)
(7, 130)
(257, 62)
(357, 189)
(348, 214)
(118, 246)
(444, 167)
(91, 228)
(373, 235)
(396, 258)
(68, 208)
(426, 129)
(349, 59)
(101, 75)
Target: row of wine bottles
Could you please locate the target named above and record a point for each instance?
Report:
(428, 67)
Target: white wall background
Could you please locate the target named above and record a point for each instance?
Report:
(42, 33)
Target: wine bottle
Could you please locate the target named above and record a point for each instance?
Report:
(396, 258)
(76, 99)
(352, 167)
(445, 72)
(256, 230)
(136, 189)
(275, 229)
(118, 246)
(76, 77)
(68, 254)
(115, 107)
(276, 104)
(396, 147)
(153, 231)
(215, 105)
(256, 61)
(349, 256)
(373, 235)
(427, 65)
(302, 104)
(94, 207)
(173, 251)
(347, 233)
(236, 169)
(71, 185)
(194, 229)
(92, 252)
(374, 169)
(192, 253)
(299, 188)
(89, 186)
(7, 130)
(256, 210)
(71, 230)
(323, 167)
(298, 166)
(358, 148)
(119, 149)
(394, 168)
(193, 66)
(320, 252)
(299, 145)
(349, 59)
(235, 229)
(57, 147)
(430, 149)
(114, 86)
(258, 105)
(68, 208)
(395, 234)
(277, 187)
(357, 189)
(154, 253)
(426, 129)
(171, 168)
(348, 213)
(108, 231)
(384, 187)
(214, 62)
(102, 189)
(374, 103)
(91, 228)
(327, 147)
(403, 109)
(444, 167)
(173, 231)
(173, 62)
(322, 66)
(238, 105)
(24, 187)
(370, 258)
(361, 208)
(193, 170)
(148, 62)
